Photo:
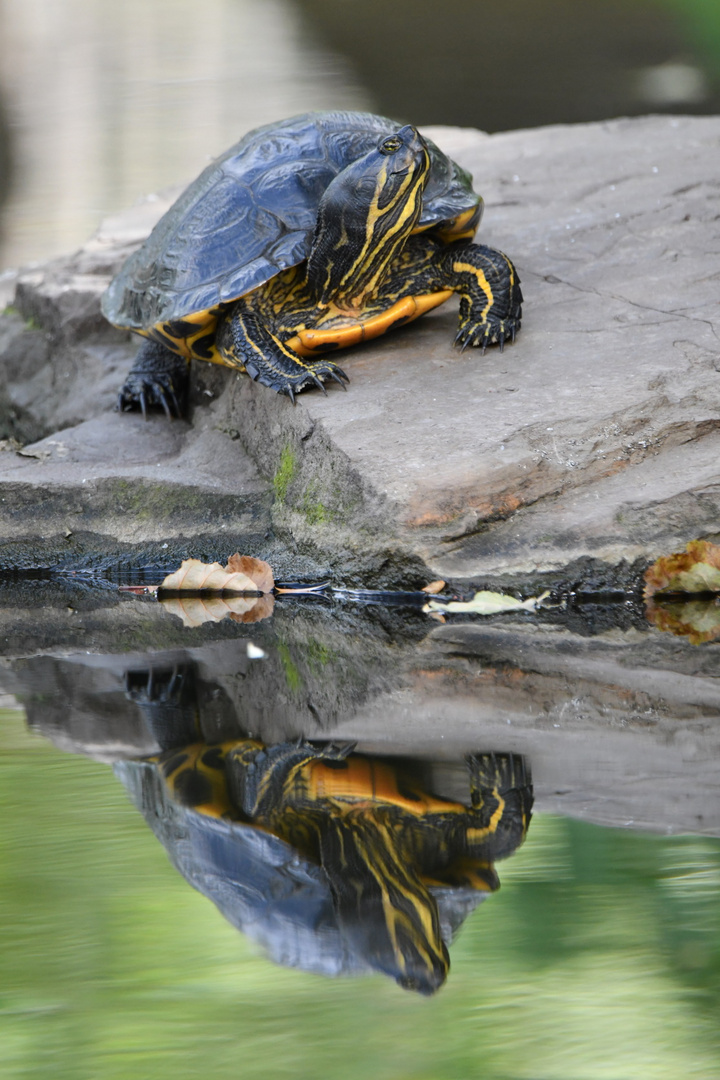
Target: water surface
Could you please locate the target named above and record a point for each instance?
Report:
(598, 957)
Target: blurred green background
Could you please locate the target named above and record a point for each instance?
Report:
(599, 959)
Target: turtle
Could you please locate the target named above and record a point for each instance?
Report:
(308, 235)
(393, 855)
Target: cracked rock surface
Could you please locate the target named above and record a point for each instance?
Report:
(593, 439)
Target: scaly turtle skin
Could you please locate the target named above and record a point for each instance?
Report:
(309, 235)
(382, 841)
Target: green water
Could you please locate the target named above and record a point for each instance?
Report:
(599, 959)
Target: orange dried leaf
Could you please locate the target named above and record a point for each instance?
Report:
(197, 576)
(434, 587)
(695, 570)
(256, 569)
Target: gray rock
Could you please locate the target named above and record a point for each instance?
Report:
(590, 443)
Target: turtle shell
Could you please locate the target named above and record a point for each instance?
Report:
(264, 887)
(252, 213)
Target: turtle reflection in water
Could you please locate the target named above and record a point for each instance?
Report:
(390, 852)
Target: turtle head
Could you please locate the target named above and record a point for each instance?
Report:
(365, 216)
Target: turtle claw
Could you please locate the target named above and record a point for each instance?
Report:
(319, 383)
(339, 376)
(484, 334)
(144, 394)
(158, 378)
(313, 375)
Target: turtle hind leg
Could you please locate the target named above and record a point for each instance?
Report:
(490, 295)
(159, 378)
(245, 342)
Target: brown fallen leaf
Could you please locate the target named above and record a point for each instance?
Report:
(243, 574)
(695, 570)
(256, 569)
(434, 587)
(196, 610)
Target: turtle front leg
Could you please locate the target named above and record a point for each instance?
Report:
(245, 342)
(159, 377)
(502, 799)
(490, 296)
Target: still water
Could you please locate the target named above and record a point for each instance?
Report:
(598, 956)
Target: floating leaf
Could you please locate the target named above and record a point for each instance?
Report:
(486, 603)
(695, 570)
(243, 574)
(697, 620)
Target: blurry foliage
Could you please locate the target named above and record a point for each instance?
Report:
(600, 958)
(700, 22)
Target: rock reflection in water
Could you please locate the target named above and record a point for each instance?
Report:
(336, 862)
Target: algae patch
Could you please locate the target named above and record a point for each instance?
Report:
(285, 473)
(314, 510)
(293, 678)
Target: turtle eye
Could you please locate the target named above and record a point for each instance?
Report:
(390, 146)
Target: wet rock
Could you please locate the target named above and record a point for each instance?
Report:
(591, 442)
(620, 728)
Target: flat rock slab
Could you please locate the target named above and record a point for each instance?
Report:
(595, 436)
(139, 482)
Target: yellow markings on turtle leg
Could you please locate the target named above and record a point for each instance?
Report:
(475, 836)
(483, 283)
(265, 361)
(308, 342)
